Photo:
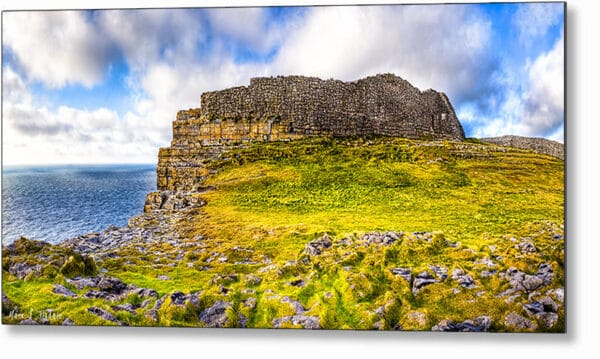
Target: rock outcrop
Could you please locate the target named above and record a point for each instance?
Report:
(537, 145)
(285, 108)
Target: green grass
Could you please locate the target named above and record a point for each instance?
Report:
(272, 198)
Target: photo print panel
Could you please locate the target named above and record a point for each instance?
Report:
(395, 167)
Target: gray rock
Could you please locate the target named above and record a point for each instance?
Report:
(317, 246)
(297, 283)
(421, 280)
(517, 322)
(127, 307)
(463, 279)
(216, 315)
(104, 314)
(440, 271)
(479, 324)
(22, 270)
(144, 292)
(558, 294)
(97, 294)
(28, 321)
(526, 246)
(68, 322)
(112, 285)
(296, 305)
(547, 319)
(178, 298)
(531, 283)
(307, 322)
(163, 277)
(60, 289)
(81, 283)
(404, 273)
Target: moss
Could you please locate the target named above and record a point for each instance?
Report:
(78, 265)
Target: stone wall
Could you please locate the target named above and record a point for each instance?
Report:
(287, 108)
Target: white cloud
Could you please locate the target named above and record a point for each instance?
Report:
(442, 47)
(246, 25)
(56, 47)
(534, 19)
(544, 99)
(148, 36)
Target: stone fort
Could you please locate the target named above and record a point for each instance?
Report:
(291, 107)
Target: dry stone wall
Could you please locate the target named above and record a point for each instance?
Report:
(291, 107)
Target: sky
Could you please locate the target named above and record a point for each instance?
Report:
(104, 86)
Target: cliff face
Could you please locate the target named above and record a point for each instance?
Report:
(286, 108)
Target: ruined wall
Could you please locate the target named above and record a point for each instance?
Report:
(286, 108)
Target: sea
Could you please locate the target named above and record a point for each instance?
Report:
(55, 203)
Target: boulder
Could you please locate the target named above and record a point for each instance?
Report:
(404, 273)
(216, 315)
(104, 314)
(421, 280)
(479, 324)
(516, 322)
(60, 289)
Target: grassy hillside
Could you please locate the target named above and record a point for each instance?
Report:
(473, 217)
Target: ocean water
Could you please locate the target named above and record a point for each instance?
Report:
(55, 203)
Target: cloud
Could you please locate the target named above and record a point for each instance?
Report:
(531, 105)
(56, 47)
(248, 26)
(534, 19)
(147, 36)
(442, 47)
(544, 99)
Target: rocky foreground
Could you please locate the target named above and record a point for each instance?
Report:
(519, 276)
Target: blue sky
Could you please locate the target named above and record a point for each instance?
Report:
(104, 86)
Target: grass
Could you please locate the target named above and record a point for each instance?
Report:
(271, 198)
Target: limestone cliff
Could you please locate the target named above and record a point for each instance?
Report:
(286, 108)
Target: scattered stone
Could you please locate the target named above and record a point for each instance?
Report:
(104, 314)
(22, 270)
(297, 283)
(465, 280)
(102, 295)
(163, 277)
(68, 322)
(558, 294)
(62, 290)
(112, 285)
(517, 322)
(526, 246)
(252, 280)
(127, 307)
(307, 322)
(421, 280)
(486, 261)
(80, 283)
(178, 298)
(215, 316)
(317, 246)
(487, 273)
(144, 292)
(404, 273)
(28, 321)
(440, 271)
(547, 319)
(296, 305)
(250, 303)
(479, 324)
